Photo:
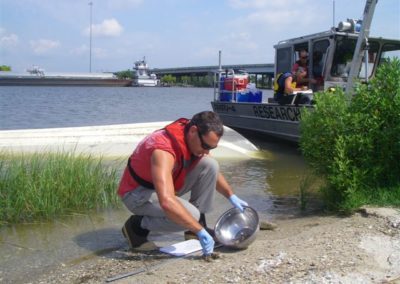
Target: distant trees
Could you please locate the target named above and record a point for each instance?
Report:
(168, 80)
(201, 81)
(185, 80)
(127, 74)
(195, 81)
(5, 68)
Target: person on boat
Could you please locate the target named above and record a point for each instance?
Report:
(287, 85)
(317, 70)
(167, 164)
(302, 65)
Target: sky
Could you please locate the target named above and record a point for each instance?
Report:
(55, 34)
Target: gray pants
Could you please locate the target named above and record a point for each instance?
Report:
(200, 182)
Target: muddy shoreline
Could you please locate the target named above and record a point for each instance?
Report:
(318, 248)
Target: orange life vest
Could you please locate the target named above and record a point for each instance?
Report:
(184, 160)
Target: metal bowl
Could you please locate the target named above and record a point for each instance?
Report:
(237, 229)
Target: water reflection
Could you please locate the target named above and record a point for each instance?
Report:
(283, 174)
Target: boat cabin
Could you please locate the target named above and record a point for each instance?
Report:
(330, 55)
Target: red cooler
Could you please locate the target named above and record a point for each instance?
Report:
(237, 82)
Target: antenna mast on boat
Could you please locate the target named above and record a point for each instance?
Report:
(219, 61)
(217, 75)
(333, 13)
(362, 37)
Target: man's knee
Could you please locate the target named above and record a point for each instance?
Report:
(204, 175)
(209, 164)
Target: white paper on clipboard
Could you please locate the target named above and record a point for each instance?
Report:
(182, 248)
(305, 92)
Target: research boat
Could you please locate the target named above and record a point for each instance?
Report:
(337, 57)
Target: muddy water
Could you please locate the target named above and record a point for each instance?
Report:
(270, 185)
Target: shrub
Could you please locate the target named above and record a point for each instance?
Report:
(355, 145)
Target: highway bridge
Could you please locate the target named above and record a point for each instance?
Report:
(263, 73)
(205, 70)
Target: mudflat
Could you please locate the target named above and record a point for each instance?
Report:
(318, 248)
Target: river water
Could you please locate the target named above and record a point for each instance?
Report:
(44, 107)
(270, 185)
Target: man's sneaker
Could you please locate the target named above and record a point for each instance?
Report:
(133, 232)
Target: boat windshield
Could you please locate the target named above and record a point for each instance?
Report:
(344, 54)
(389, 51)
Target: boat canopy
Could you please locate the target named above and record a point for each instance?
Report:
(331, 53)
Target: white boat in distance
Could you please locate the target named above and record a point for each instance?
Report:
(142, 78)
(336, 57)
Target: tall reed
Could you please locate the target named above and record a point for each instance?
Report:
(45, 185)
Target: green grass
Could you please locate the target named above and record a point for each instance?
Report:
(47, 185)
(306, 183)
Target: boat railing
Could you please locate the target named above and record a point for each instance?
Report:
(235, 87)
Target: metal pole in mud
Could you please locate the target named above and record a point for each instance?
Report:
(161, 263)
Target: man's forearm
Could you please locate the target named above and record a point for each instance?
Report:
(223, 187)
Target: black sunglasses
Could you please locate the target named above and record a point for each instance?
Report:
(204, 145)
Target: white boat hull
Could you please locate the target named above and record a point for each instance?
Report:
(145, 82)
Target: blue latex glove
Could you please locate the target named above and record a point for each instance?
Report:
(206, 241)
(237, 202)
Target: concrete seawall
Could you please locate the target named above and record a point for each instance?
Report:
(108, 140)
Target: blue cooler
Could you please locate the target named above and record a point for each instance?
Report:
(242, 96)
(255, 96)
(225, 96)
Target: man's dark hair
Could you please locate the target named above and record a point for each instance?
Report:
(207, 121)
(302, 51)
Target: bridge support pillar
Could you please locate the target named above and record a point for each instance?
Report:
(264, 81)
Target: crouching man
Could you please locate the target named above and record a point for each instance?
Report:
(164, 166)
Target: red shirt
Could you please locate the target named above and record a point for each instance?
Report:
(295, 68)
